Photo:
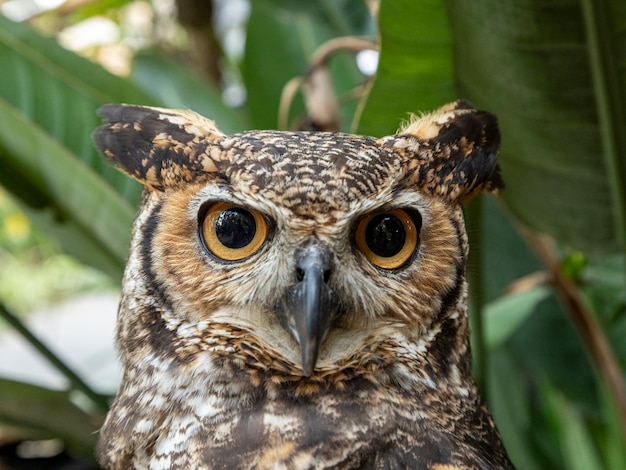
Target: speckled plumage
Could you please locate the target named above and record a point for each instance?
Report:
(213, 375)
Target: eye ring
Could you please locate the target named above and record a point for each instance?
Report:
(389, 238)
(231, 232)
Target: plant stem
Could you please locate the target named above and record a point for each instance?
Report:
(596, 343)
(100, 401)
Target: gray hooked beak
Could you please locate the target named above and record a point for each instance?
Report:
(309, 306)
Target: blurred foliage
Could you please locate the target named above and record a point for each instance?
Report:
(551, 72)
(34, 271)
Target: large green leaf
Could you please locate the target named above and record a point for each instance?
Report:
(415, 68)
(554, 75)
(48, 102)
(60, 92)
(277, 48)
(564, 146)
(504, 315)
(344, 17)
(91, 217)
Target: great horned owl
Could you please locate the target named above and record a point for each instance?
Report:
(297, 300)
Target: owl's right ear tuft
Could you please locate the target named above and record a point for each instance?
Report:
(454, 149)
(158, 147)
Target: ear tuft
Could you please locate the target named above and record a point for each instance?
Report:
(455, 151)
(158, 147)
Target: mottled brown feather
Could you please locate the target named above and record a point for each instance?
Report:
(213, 378)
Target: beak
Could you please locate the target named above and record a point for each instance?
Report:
(310, 305)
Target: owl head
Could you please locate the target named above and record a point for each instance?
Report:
(307, 255)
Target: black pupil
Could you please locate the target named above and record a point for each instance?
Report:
(385, 235)
(235, 228)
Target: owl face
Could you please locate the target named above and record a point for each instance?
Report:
(305, 253)
(298, 300)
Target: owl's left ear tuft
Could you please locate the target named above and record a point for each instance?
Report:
(158, 147)
(453, 151)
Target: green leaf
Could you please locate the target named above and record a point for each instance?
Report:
(504, 253)
(86, 10)
(48, 106)
(94, 214)
(60, 92)
(279, 44)
(534, 65)
(179, 87)
(604, 282)
(503, 316)
(49, 414)
(604, 26)
(343, 17)
(547, 345)
(577, 446)
(511, 408)
(415, 68)
(613, 438)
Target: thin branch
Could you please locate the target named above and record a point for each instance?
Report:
(342, 44)
(587, 325)
(100, 401)
(319, 60)
(527, 283)
(287, 96)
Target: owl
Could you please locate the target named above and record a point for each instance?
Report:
(297, 300)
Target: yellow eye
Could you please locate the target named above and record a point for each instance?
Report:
(232, 232)
(389, 239)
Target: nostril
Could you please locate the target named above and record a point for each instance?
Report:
(313, 261)
(301, 273)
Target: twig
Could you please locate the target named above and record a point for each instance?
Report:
(318, 61)
(342, 44)
(587, 325)
(286, 98)
(529, 282)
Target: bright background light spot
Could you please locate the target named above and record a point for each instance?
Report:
(20, 10)
(94, 31)
(367, 61)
